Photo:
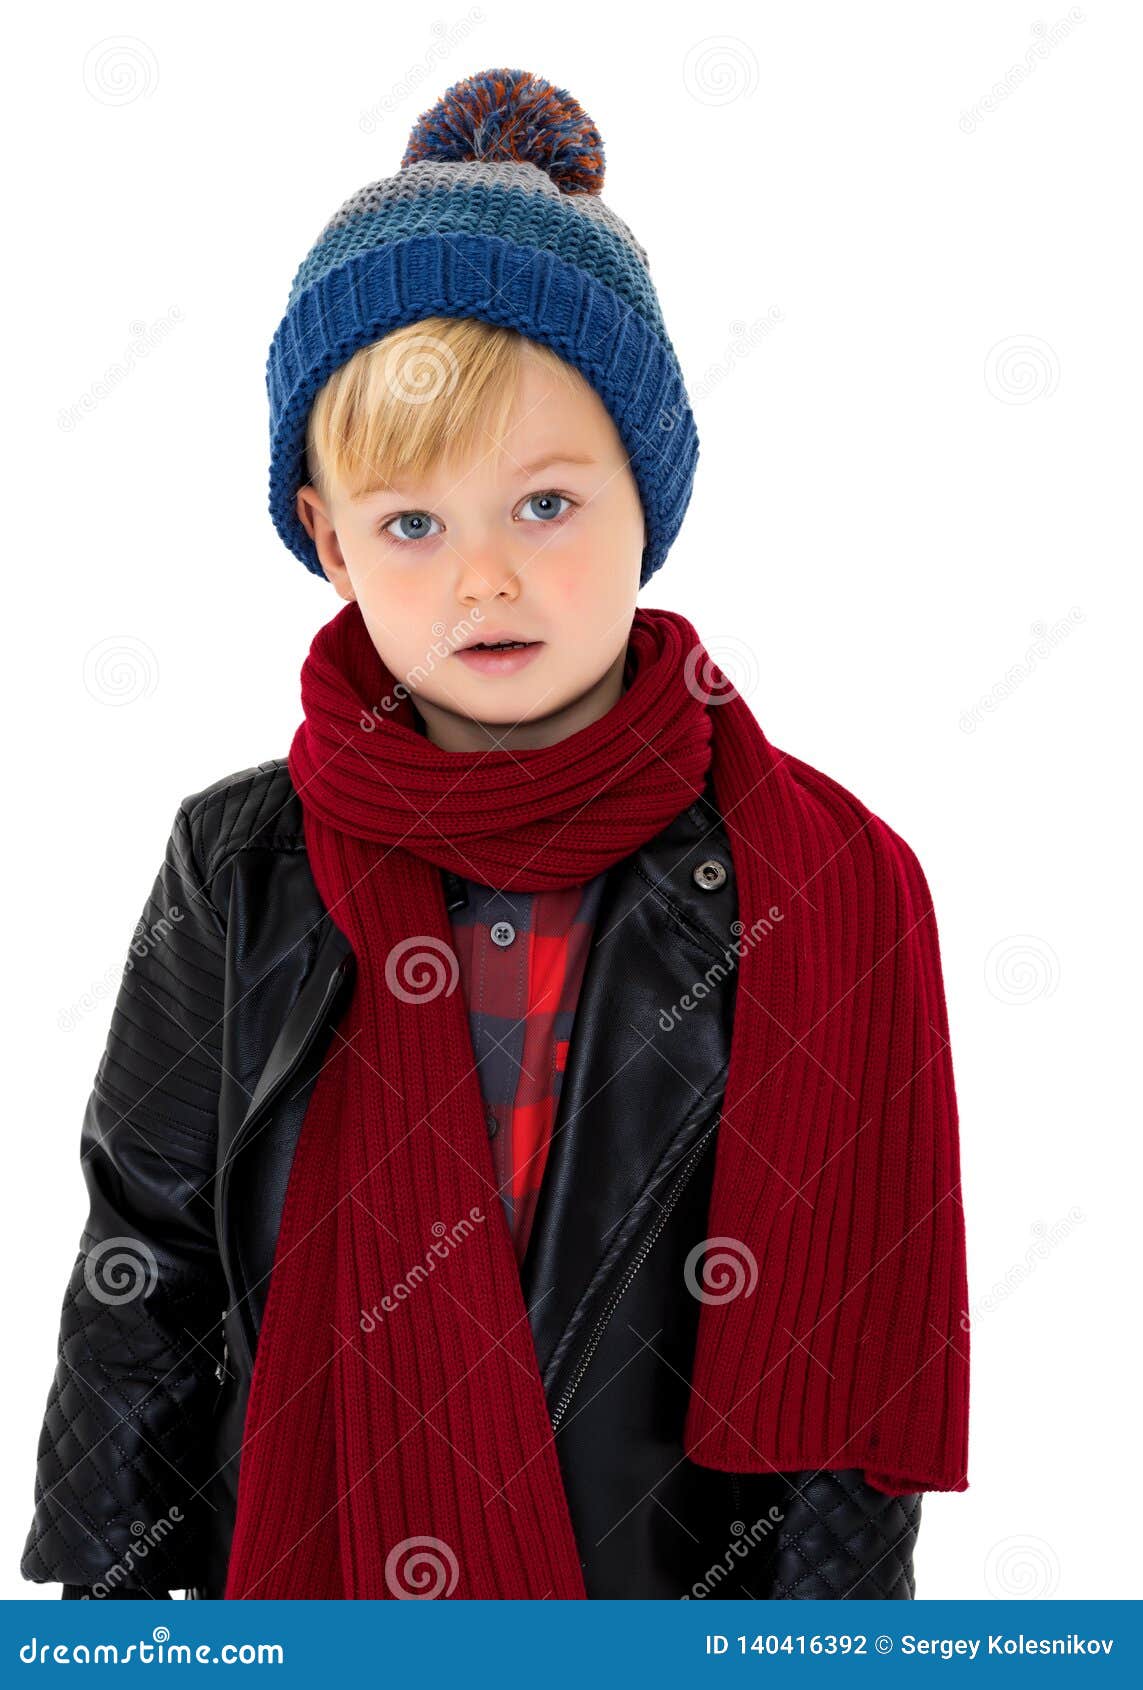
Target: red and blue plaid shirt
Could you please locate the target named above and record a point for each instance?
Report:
(522, 958)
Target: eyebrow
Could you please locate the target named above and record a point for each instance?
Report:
(554, 458)
(545, 462)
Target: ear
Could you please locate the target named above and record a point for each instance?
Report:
(315, 519)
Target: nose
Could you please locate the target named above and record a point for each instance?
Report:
(483, 574)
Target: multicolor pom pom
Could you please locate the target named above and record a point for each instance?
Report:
(512, 115)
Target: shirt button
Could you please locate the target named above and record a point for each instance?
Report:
(493, 1123)
(502, 933)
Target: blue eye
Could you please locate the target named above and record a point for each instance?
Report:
(418, 526)
(409, 526)
(546, 499)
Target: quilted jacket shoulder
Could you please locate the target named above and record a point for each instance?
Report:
(257, 806)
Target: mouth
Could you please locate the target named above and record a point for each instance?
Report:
(499, 657)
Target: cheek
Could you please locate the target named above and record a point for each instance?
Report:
(566, 585)
(590, 577)
(399, 591)
(396, 609)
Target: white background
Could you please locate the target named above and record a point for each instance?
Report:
(927, 459)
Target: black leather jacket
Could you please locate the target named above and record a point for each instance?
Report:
(230, 1002)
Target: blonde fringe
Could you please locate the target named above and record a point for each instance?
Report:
(423, 392)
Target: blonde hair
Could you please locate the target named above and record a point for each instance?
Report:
(422, 392)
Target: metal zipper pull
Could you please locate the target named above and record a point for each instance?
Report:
(220, 1366)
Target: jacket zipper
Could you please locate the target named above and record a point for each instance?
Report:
(256, 1115)
(220, 1367)
(644, 1250)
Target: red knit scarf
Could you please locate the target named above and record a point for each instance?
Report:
(397, 1439)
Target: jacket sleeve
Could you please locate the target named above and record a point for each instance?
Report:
(125, 1445)
(839, 1538)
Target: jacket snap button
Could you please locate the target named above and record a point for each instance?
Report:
(493, 1123)
(503, 933)
(709, 876)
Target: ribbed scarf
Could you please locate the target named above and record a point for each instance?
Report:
(397, 1439)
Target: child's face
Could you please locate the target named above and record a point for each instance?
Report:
(502, 543)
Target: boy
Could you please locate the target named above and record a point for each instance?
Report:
(456, 1271)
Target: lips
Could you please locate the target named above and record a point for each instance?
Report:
(498, 636)
(503, 661)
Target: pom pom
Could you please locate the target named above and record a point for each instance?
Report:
(511, 114)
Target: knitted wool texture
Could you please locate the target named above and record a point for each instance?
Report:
(425, 1439)
(495, 213)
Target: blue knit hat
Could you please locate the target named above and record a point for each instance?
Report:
(495, 213)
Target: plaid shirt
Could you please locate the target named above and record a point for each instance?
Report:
(522, 958)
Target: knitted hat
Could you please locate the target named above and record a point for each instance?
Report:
(495, 213)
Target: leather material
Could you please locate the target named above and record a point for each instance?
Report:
(219, 1032)
(83, 1592)
(124, 1446)
(843, 1540)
